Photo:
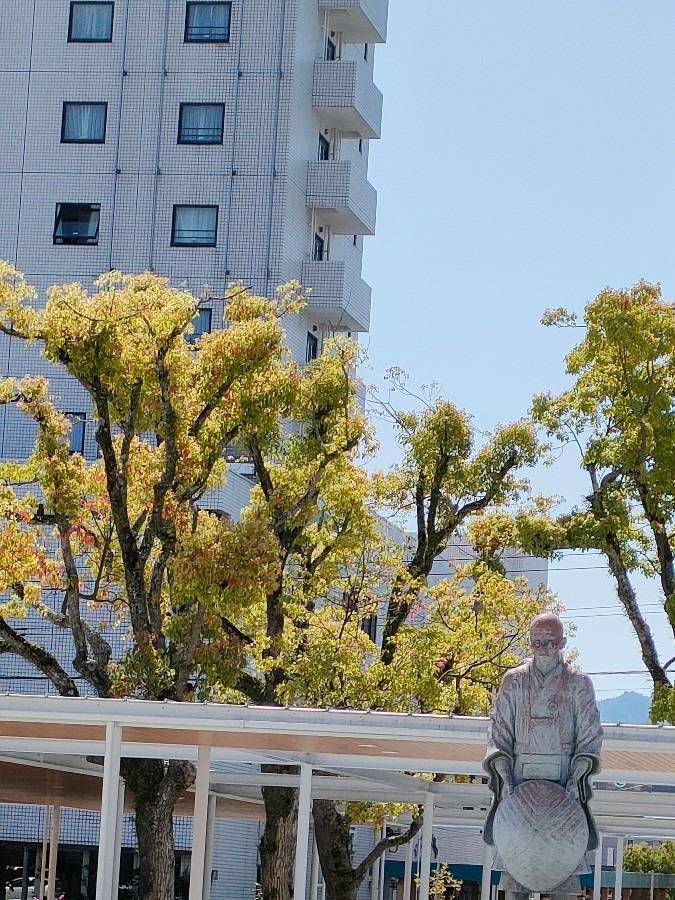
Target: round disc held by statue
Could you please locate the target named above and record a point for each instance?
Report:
(541, 834)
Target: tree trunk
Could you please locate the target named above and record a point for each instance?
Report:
(156, 787)
(277, 845)
(334, 843)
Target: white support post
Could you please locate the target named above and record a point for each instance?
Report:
(118, 838)
(199, 823)
(618, 883)
(597, 869)
(208, 856)
(425, 853)
(53, 852)
(486, 882)
(109, 803)
(314, 872)
(383, 860)
(407, 871)
(375, 876)
(40, 892)
(302, 841)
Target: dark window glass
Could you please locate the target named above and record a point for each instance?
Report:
(369, 625)
(331, 49)
(90, 22)
(360, 145)
(201, 324)
(312, 347)
(324, 148)
(194, 226)
(83, 123)
(77, 425)
(318, 248)
(365, 51)
(201, 123)
(77, 223)
(208, 23)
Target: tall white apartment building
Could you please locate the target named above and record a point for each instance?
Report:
(211, 142)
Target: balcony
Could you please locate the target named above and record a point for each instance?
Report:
(347, 201)
(359, 21)
(339, 296)
(346, 98)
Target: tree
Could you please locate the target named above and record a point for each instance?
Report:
(126, 532)
(619, 414)
(320, 654)
(242, 610)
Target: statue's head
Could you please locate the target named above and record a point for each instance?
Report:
(547, 637)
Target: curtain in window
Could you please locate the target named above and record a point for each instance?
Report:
(92, 21)
(209, 21)
(202, 124)
(195, 225)
(84, 122)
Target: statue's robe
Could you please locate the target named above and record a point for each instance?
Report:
(543, 725)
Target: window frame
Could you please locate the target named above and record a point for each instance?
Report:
(330, 50)
(103, 103)
(195, 336)
(75, 242)
(190, 4)
(75, 40)
(318, 248)
(181, 140)
(76, 418)
(312, 348)
(194, 206)
(324, 147)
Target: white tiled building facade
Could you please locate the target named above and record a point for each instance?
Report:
(212, 142)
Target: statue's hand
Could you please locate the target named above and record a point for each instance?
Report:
(572, 788)
(507, 787)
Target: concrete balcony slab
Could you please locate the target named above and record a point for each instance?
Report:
(339, 296)
(346, 98)
(359, 21)
(346, 200)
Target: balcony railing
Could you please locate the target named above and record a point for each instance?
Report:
(359, 21)
(339, 296)
(348, 202)
(346, 98)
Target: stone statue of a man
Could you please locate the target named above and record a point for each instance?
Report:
(544, 726)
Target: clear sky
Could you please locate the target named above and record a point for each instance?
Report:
(527, 160)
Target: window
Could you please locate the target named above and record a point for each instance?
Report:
(201, 123)
(77, 425)
(83, 123)
(331, 49)
(365, 51)
(369, 625)
(324, 148)
(360, 145)
(77, 223)
(194, 226)
(207, 23)
(318, 248)
(312, 347)
(90, 22)
(201, 324)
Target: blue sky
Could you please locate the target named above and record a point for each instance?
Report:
(527, 160)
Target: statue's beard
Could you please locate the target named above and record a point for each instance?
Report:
(546, 663)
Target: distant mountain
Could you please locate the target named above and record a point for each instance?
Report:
(629, 708)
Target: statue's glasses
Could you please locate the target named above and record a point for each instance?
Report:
(536, 644)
